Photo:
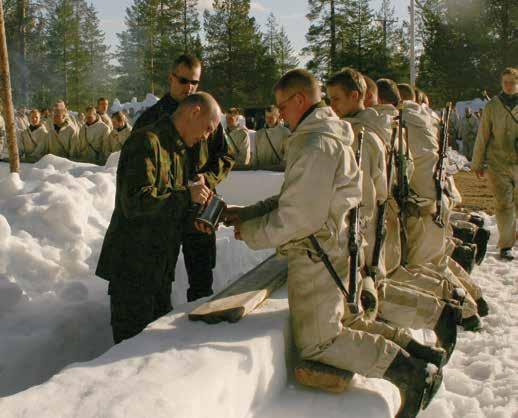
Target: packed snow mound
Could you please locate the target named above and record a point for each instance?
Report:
(177, 368)
(134, 104)
(53, 309)
(11, 185)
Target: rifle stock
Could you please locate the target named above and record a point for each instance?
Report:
(440, 171)
(402, 188)
(354, 238)
(381, 230)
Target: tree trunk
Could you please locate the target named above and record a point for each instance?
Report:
(14, 157)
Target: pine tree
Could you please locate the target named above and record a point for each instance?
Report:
(326, 17)
(239, 70)
(157, 31)
(286, 58)
(98, 79)
(62, 30)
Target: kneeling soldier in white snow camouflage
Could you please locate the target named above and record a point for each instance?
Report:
(322, 183)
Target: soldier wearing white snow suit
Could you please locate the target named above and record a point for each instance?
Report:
(93, 137)
(63, 135)
(270, 141)
(400, 304)
(102, 111)
(423, 134)
(32, 136)
(121, 131)
(238, 139)
(322, 183)
(497, 145)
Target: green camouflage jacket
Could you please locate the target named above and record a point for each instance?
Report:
(212, 158)
(151, 206)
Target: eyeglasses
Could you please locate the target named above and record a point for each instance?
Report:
(184, 80)
(283, 104)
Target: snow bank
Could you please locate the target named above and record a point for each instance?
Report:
(177, 368)
(53, 309)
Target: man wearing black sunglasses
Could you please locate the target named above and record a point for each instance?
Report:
(213, 163)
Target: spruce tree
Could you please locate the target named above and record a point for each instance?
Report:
(238, 69)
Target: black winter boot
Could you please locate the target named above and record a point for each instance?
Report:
(417, 385)
(506, 254)
(472, 323)
(465, 256)
(436, 356)
(464, 234)
(482, 307)
(477, 220)
(481, 239)
(446, 328)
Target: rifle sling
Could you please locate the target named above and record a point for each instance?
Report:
(233, 143)
(271, 145)
(327, 262)
(508, 110)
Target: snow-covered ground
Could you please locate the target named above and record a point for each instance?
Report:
(54, 312)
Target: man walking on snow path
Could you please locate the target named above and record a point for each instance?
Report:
(497, 145)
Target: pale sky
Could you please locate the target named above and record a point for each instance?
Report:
(289, 13)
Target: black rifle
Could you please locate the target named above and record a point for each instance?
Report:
(440, 168)
(401, 190)
(355, 238)
(354, 248)
(381, 231)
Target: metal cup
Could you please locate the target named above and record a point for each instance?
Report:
(209, 214)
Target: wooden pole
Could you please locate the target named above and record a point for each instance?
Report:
(14, 157)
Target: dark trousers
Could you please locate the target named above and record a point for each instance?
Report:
(132, 312)
(199, 251)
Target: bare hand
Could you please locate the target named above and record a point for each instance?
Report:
(200, 194)
(231, 216)
(200, 226)
(480, 173)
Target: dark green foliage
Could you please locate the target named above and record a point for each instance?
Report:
(466, 44)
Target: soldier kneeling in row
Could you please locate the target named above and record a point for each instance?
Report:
(321, 185)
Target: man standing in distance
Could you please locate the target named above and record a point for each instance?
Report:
(497, 144)
(212, 163)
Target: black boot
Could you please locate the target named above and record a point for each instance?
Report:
(446, 328)
(429, 354)
(477, 220)
(472, 323)
(417, 386)
(464, 234)
(465, 256)
(481, 239)
(482, 307)
(506, 254)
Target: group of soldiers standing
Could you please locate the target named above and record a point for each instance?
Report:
(90, 138)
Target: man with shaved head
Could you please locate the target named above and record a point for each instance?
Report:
(152, 203)
(213, 161)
